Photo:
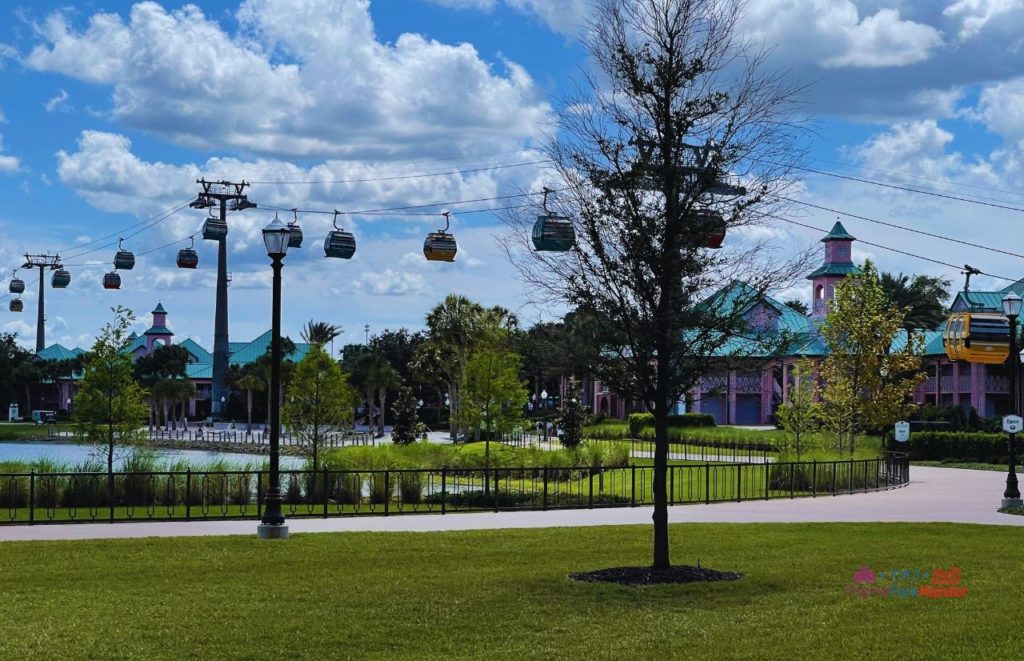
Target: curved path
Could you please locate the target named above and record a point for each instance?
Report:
(934, 494)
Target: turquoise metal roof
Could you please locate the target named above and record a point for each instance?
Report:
(59, 352)
(200, 354)
(833, 268)
(985, 301)
(253, 350)
(159, 309)
(199, 370)
(159, 330)
(135, 344)
(838, 233)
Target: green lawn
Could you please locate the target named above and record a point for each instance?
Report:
(15, 431)
(972, 465)
(505, 594)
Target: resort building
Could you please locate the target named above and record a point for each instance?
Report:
(750, 396)
(58, 396)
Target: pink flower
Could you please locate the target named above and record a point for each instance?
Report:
(864, 575)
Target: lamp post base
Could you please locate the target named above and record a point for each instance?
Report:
(272, 531)
(1011, 502)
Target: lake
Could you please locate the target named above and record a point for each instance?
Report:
(75, 454)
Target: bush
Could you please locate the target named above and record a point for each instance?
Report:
(692, 420)
(637, 422)
(959, 446)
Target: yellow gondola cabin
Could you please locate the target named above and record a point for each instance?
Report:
(977, 337)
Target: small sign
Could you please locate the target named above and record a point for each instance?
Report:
(1013, 424)
(902, 431)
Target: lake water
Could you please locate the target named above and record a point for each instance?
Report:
(75, 454)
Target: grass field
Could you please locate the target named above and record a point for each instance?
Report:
(505, 594)
(16, 431)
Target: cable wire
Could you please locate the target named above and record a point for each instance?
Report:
(901, 227)
(890, 249)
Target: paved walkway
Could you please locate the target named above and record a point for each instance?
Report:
(934, 494)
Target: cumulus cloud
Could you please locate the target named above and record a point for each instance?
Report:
(391, 282)
(277, 88)
(975, 15)
(835, 34)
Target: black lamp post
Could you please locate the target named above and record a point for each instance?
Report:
(1011, 308)
(275, 236)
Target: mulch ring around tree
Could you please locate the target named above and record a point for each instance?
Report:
(636, 576)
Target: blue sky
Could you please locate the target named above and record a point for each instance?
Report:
(110, 110)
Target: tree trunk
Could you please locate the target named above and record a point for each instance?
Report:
(383, 394)
(248, 408)
(659, 484)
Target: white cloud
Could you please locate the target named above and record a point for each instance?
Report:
(58, 102)
(1001, 107)
(391, 282)
(305, 79)
(8, 164)
(976, 14)
(834, 33)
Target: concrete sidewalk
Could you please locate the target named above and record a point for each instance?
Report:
(933, 495)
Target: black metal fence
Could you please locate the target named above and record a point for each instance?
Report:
(690, 449)
(30, 498)
(200, 436)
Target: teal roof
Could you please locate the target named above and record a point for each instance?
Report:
(159, 330)
(159, 309)
(988, 301)
(251, 352)
(59, 352)
(833, 268)
(136, 343)
(199, 370)
(200, 354)
(838, 233)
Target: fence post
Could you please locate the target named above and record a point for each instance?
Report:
(739, 477)
(632, 500)
(188, 494)
(497, 502)
(325, 493)
(707, 483)
(671, 486)
(590, 502)
(31, 497)
(387, 491)
(814, 478)
(444, 488)
(767, 480)
(545, 499)
(851, 475)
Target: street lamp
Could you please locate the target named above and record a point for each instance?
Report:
(544, 398)
(275, 236)
(1011, 308)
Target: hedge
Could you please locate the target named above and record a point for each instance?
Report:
(639, 421)
(963, 446)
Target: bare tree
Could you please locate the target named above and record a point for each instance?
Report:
(675, 136)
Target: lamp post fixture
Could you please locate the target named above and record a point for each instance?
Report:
(544, 398)
(275, 236)
(1011, 308)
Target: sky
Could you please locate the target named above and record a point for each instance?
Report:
(110, 111)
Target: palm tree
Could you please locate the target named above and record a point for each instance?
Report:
(249, 382)
(922, 297)
(320, 333)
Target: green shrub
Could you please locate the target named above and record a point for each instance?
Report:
(638, 421)
(410, 487)
(960, 446)
(691, 420)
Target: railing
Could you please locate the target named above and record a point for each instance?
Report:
(31, 498)
(200, 437)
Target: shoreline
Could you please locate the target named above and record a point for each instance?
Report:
(169, 444)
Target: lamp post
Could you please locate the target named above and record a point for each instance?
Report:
(544, 398)
(1011, 308)
(275, 236)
